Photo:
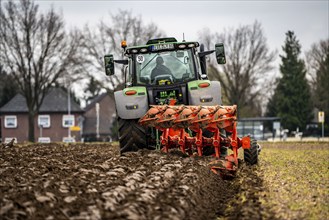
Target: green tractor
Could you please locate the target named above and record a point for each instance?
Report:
(169, 102)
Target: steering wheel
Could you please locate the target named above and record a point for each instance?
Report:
(164, 79)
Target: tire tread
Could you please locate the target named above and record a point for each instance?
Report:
(251, 155)
(132, 136)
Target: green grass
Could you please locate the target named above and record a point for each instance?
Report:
(296, 179)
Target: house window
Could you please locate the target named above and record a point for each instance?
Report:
(68, 121)
(44, 121)
(10, 121)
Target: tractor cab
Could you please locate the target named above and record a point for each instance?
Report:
(163, 62)
(164, 67)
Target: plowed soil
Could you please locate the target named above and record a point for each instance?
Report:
(91, 181)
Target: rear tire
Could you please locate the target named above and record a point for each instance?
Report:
(132, 136)
(251, 155)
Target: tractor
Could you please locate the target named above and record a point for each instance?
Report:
(169, 103)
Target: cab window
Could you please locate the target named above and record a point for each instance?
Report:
(164, 67)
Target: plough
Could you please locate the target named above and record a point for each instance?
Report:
(183, 126)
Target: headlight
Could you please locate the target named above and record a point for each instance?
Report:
(181, 46)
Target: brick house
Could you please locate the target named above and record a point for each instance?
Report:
(51, 124)
(101, 130)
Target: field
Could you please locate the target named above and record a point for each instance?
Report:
(91, 181)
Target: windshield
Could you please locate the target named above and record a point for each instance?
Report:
(164, 68)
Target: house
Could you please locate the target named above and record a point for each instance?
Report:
(53, 123)
(98, 119)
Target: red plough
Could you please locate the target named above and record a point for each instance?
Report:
(183, 127)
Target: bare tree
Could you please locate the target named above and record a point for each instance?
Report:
(93, 89)
(36, 50)
(7, 90)
(316, 58)
(107, 37)
(318, 68)
(243, 77)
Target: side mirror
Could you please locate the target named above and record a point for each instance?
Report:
(220, 53)
(109, 64)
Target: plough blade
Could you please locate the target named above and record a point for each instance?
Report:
(225, 167)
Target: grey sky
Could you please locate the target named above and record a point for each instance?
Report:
(309, 19)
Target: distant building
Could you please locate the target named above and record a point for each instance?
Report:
(52, 123)
(101, 130)
(259, 128)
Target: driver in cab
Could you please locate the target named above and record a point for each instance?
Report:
(160, 69)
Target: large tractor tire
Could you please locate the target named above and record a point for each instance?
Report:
(132, 136)
(251, 155)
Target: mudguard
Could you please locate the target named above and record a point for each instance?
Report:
(131, 103)
(201, 94)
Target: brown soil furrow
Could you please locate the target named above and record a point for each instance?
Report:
(94, 182)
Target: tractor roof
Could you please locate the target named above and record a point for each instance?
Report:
(162, 40)
(161, 44)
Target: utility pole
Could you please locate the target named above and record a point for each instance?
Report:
(68, 106)
(321, 120)
(97, 120)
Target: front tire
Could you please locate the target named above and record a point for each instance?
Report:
(251, 155)
(132, 136)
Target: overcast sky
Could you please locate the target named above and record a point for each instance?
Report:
(308, 19)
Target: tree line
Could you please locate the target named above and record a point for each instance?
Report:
(37, 53)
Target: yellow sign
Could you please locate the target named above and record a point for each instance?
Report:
(75, 128)
(321, 117)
